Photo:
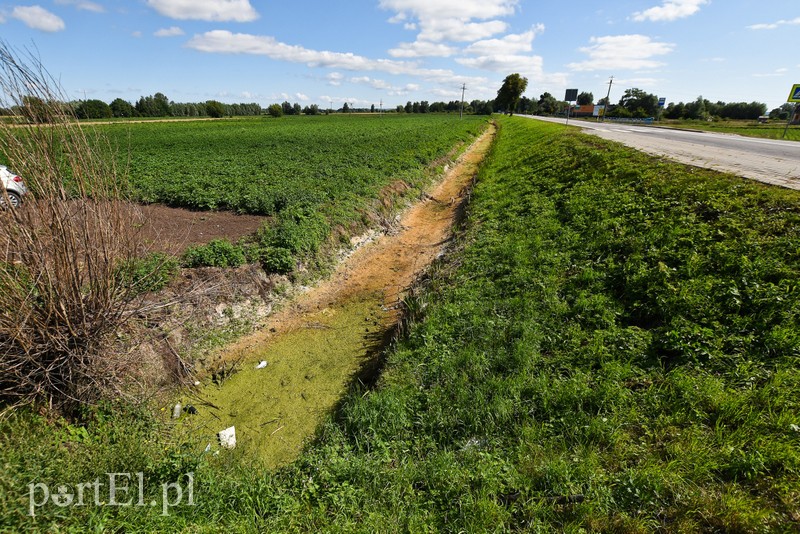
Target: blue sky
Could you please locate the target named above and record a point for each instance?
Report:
(367, 51)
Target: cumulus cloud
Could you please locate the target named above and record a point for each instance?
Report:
(459, 21)
(38, 18)
(83, 5)
(209, 10)
(510, 44)
(422, 49)
(670, 10)
(173, 31)
(224, 41)
(627, 52)
(775, 25)
(469, 9)
(334, 78)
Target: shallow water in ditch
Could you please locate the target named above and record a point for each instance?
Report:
(319, 344)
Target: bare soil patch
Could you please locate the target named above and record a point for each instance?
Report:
(173, 230)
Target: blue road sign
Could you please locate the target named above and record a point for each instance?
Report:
(794, 96)
(661, 102)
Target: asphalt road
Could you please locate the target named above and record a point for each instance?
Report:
(765, 160)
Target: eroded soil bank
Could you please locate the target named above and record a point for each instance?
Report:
(316, 345)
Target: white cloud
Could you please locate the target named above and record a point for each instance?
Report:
(510, 44)
(448, 21)
(774, 74)
(465, 9)
(422, 49)
(223, 41)
(173, 31)
(775, 25)
(627, 52)
(335, 78)
(83, 5)
(458, 30)
(670, 10)
(382, 85)
(38, 18)
(209, 10)
(301, 97)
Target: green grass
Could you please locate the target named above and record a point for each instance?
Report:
(613, 346)
(771, 130)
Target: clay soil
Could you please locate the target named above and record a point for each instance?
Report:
(173, 230)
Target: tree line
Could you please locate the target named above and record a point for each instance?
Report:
(636, 103)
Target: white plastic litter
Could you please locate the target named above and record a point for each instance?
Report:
(262, 364)
(227, 438)
(176, 411)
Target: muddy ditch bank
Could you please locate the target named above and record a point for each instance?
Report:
(277, 384)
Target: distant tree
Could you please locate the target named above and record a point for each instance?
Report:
(372, 108)
(296, 109)
(345, 108)
(275, 110)
(415, 107)
(639, 103)
(400, 108)
(122, 108)
(34, 109)
(424, 107)
(153, 106)
(215, 109)
(585, 99)
(548, 105)
(510, 92)
(313, 109)
(782, 112)
(93, 109)
(409, 107)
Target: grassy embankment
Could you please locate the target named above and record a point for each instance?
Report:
(613, 346)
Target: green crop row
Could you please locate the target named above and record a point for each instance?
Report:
(261, 166)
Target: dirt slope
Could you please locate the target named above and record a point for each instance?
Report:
(315, 346)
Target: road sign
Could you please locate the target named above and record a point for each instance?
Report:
(794, 96)
(661, 102)
(572, 95)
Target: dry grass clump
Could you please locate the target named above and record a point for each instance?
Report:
(63, 297)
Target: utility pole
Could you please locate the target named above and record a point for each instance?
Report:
(608, 98)
(461, 112)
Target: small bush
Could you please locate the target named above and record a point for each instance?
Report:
(217, 253)
(151, 273)
(298, 229)
(277, 260)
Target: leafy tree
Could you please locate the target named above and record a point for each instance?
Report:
(548, 105)
(585, 99)
(782, 112)
(153, 106)
(639, 103)
(215, 109)
(372, 108)
(93, 109)
(345, 108)
(275, 110)
(296, 109)
(122, 108)
(510, 92)
(313, 109)
(409, 107)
